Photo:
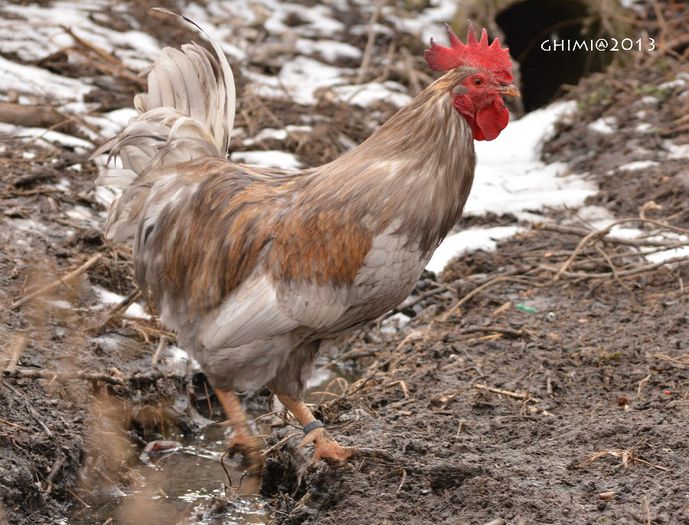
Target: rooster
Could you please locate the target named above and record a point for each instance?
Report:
(254, 267)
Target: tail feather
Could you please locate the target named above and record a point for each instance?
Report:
(187, 112)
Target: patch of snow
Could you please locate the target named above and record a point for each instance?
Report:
(29, 226)
(60, 304)
(604, 126)
(269, 133)
(53, 137)
(394, 323)
(176, 355)
(591, 214)
(269, 158)
(329, 50)
(122, 116)
(276, 134)
(63, 185)
(638, 165)
(599, 218)
(107, 342)
(318, 377)
(108, 298)
(111, 123)
(37, 81)
(466, 241)
(427, 23)
(319, 19)
(668, 255)
(624, 232)
(677, 82)
(378, 28)
(643, 127)
(42, 32)
(81, 213)
(298, 80)
(510, 176)
(366, 94)
(676, 151)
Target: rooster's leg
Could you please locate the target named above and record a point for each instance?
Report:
(243, 440)
(326, 448)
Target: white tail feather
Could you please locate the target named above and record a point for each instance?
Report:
(188, 112)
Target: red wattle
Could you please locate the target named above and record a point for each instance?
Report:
(491, 120)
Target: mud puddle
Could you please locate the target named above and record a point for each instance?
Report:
(183, 481)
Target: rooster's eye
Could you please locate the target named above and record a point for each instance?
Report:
(478, 81)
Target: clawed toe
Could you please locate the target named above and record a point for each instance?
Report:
(327, 448)
(250, 447)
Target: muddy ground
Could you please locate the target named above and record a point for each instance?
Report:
(539, 400)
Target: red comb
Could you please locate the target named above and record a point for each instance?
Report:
(474, 53)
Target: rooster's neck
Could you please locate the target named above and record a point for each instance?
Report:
(415, 172)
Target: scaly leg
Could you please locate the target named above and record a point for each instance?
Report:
(326, 448)
(243, 440)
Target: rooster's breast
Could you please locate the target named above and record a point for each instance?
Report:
(387, 276)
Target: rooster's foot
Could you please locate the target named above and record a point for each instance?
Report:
(251, 448)
(326, 448)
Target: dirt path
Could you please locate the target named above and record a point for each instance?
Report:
(565, 404)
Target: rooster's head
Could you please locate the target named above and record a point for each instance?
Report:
(480, 75)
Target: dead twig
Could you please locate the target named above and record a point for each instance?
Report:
(49, 288)
(484, 286)
(602, 235)
(646, 509)
(104, 61)
(31, 116)
(402, 481)
(681, 360)
(368, 50)
(55, 469)
(13, 425)
(280, 443)
(494, 329)
(573, 230)
(621, 273)
(162, 345)
(14, 351)
(524, 396)
(411, 72)
(642, 383)
(628, 457)
(117, 310)
(110, 378)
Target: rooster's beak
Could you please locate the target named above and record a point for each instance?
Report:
(509, 91)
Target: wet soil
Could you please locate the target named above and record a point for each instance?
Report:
(601, 437)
